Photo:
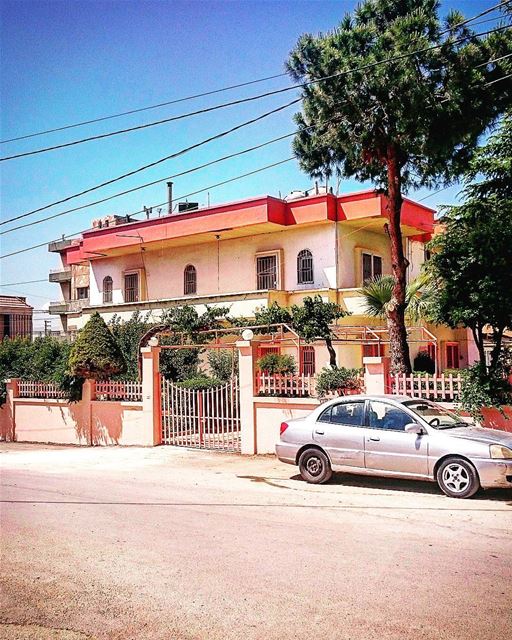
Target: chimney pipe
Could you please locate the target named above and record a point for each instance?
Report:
(169, 196)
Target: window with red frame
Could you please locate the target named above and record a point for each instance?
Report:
(307, 361)
(373, 350)
(264, 351)
(452, 355)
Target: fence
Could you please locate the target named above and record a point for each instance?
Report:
(119, 390)
(444, 387)
(286, 385)
(31, 389)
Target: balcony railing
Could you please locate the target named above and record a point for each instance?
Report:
(68, 306)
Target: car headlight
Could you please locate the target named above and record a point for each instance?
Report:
(500, 452)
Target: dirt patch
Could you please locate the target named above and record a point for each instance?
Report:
(37, 632)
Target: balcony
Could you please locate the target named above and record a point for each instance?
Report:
(59, 245)
(60, 275)
(68, 306)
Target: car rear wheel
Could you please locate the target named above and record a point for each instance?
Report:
(458, 478)
(314, 466)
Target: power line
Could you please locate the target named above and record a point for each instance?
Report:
(14, 284)
(245, 100)
(218, 184)
(205, 93)
(139, 110)
(151, 164)
(479, 15)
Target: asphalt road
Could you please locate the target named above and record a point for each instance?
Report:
(166, 543)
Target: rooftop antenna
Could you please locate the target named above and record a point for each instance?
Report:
(169, 196)
(208, 198)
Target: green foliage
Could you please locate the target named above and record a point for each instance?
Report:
(378, 292)
(127, 334)
(484, 388)
(312, 319)
(200, 382)
(277, 363)
(338, 380)
(424, 363)
(274, 314)
(222, 363)
(95, 353)
(472, 260)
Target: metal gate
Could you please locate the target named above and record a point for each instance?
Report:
(202, 419)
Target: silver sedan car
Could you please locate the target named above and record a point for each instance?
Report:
(400, 437)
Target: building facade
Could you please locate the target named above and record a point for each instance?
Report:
(15, 317)
(245, 255)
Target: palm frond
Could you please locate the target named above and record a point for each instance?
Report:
(377, 294)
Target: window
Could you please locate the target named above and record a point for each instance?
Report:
(452, 355)
(264, 351)
(348, 413)
(266, 272)
(305, 267)
(107, 289)
(190, 280)
(307, 361)
(131, 287)
(386, 416)
(372, 266)
(373, 350)
(82, 293)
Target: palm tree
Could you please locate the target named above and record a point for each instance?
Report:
(378, 293)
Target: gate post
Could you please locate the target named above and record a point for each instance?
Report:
(376, 375)
(151, 395)
(246, 351)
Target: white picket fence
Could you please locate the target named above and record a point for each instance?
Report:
(293, 385)
(116, 390)
(34, 389)
(441, 387)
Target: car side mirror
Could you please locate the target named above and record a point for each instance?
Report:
(413, 427)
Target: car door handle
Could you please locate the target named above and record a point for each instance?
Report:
(374, 439)
(320, 433)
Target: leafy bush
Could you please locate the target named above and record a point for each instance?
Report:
(200, 382)
(424, 363)
(338, 380)
(222, 363)
(95, 353)
(277, 363)
(482, 388)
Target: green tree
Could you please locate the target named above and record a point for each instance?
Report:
(95, 353)
(472, 259)
(413, 122)
(313, 319)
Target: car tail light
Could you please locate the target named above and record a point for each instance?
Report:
(284, 426)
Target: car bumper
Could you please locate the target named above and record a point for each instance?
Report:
(287, 452)
(494, 474)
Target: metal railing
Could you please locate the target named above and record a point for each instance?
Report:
(127, 390)
(442, 387)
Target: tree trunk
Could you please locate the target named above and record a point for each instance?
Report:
(332, 353)
(400, 359)
(478, 337)
(496, 350)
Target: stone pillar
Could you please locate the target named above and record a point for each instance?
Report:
(151, 395)
(376, 375)
(8, 411)
(246, 366)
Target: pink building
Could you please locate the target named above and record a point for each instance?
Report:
(248, 254)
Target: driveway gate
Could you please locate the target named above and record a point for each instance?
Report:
(202, 419)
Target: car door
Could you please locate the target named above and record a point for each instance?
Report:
(339, 431)
(388, 447)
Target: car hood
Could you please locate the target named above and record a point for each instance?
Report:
(480, 434)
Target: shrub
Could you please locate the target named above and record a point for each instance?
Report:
(96, 354)
(200, 382)
(277, 363)
(222, 363)
(338, 380)
(482, 388)
(424, 363)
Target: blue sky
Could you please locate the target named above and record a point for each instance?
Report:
(67, 61)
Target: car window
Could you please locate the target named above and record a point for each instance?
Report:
(325, 416)
(349, 413)
(385, 416)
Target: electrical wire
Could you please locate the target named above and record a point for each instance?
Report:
(14, 284)
(479, 15)
(249, 99)
(218, 184)
(217, 136)
(205, 93)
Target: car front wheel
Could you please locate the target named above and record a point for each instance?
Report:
(314, 466)
(458, 478)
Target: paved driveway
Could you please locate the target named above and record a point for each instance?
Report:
(166, 543)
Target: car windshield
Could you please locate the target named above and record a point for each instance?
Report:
(435, 415)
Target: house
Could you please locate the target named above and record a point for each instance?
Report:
(248, 254)
(15, 317)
